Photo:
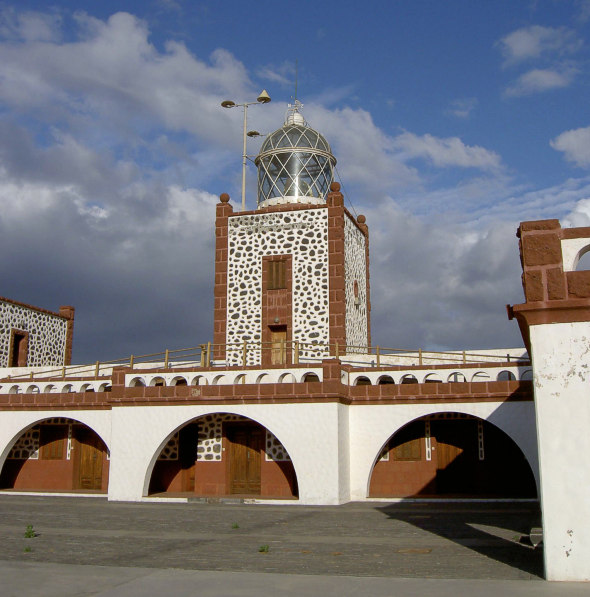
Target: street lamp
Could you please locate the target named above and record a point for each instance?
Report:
(263, 98)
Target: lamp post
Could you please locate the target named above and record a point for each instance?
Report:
(263, 98)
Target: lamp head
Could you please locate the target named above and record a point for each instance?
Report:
(227, 104)
(263, 98)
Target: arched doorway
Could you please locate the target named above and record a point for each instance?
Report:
(57, 454)
(222, 454)
(451, 455)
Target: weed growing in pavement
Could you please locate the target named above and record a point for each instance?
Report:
(264, 549)
(30, 532)
(235, 525)
(27, 549)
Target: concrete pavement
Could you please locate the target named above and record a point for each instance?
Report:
(93, 547)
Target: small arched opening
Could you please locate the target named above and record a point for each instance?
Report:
(433, 378)
(451, 455)
(408, 378)
(362, 380)
(311, 378)
(385, 380)
(57, 454)
(506, 376)
(456, 377)
(223, 454)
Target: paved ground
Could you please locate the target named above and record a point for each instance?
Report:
(88, 546)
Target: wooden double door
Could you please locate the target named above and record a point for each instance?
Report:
(246, 444)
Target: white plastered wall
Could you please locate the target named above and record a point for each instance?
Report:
(372, 425)
(314, 435)
(14, 423)
(561, 366)
(571, 250)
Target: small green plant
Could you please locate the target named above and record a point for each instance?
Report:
(27, 549)
(235, 525)
(30, 532)
(264, 549)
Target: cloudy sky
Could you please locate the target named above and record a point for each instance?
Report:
(451, 122)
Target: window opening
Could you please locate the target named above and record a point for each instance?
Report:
(277, 274)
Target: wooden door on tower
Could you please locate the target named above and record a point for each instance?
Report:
(90, 453)
(246, 442)
(278, 348)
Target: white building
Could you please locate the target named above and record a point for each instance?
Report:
(290, 402)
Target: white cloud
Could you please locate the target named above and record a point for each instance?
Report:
(446, 152)
(29, 26)
(579, 216)
(534, 41)
(462, 108)
(575, 144)
(538, 80)
(284, 74)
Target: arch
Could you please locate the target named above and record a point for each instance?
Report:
(199, 456)
(480, 376)
(179, 380)
(451, 453)
(385, 380)
(362, 380)
(87, 387)
(217, 380)
(67, 388)
(59, 453)
(527, 375)
(50, 389)
(505, 376)
(32, 389)
(408, 378)
(197, 380)
(261, 377)
(433, 378)
(15, 389)
(157, 381)
(240, 378)
(287, 378)
(456, 377)
(310, 377)
(137, 382)
(582, 261)
(105, 387)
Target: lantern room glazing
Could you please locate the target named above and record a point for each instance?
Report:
(295, 164)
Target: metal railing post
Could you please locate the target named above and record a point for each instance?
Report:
(208, 354)
(378, 352)
(244, 353)
(166, 355)
(96, 369)
(296, 352)
(131, 362)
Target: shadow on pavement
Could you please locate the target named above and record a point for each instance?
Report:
(465, 523)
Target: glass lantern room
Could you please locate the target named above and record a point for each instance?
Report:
(295, 164)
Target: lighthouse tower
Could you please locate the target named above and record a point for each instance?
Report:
(291, 277)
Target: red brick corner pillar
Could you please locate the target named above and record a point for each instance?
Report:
(223, 211)
(68, 311)
(337, 299)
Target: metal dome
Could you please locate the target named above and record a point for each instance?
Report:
(295, 163)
